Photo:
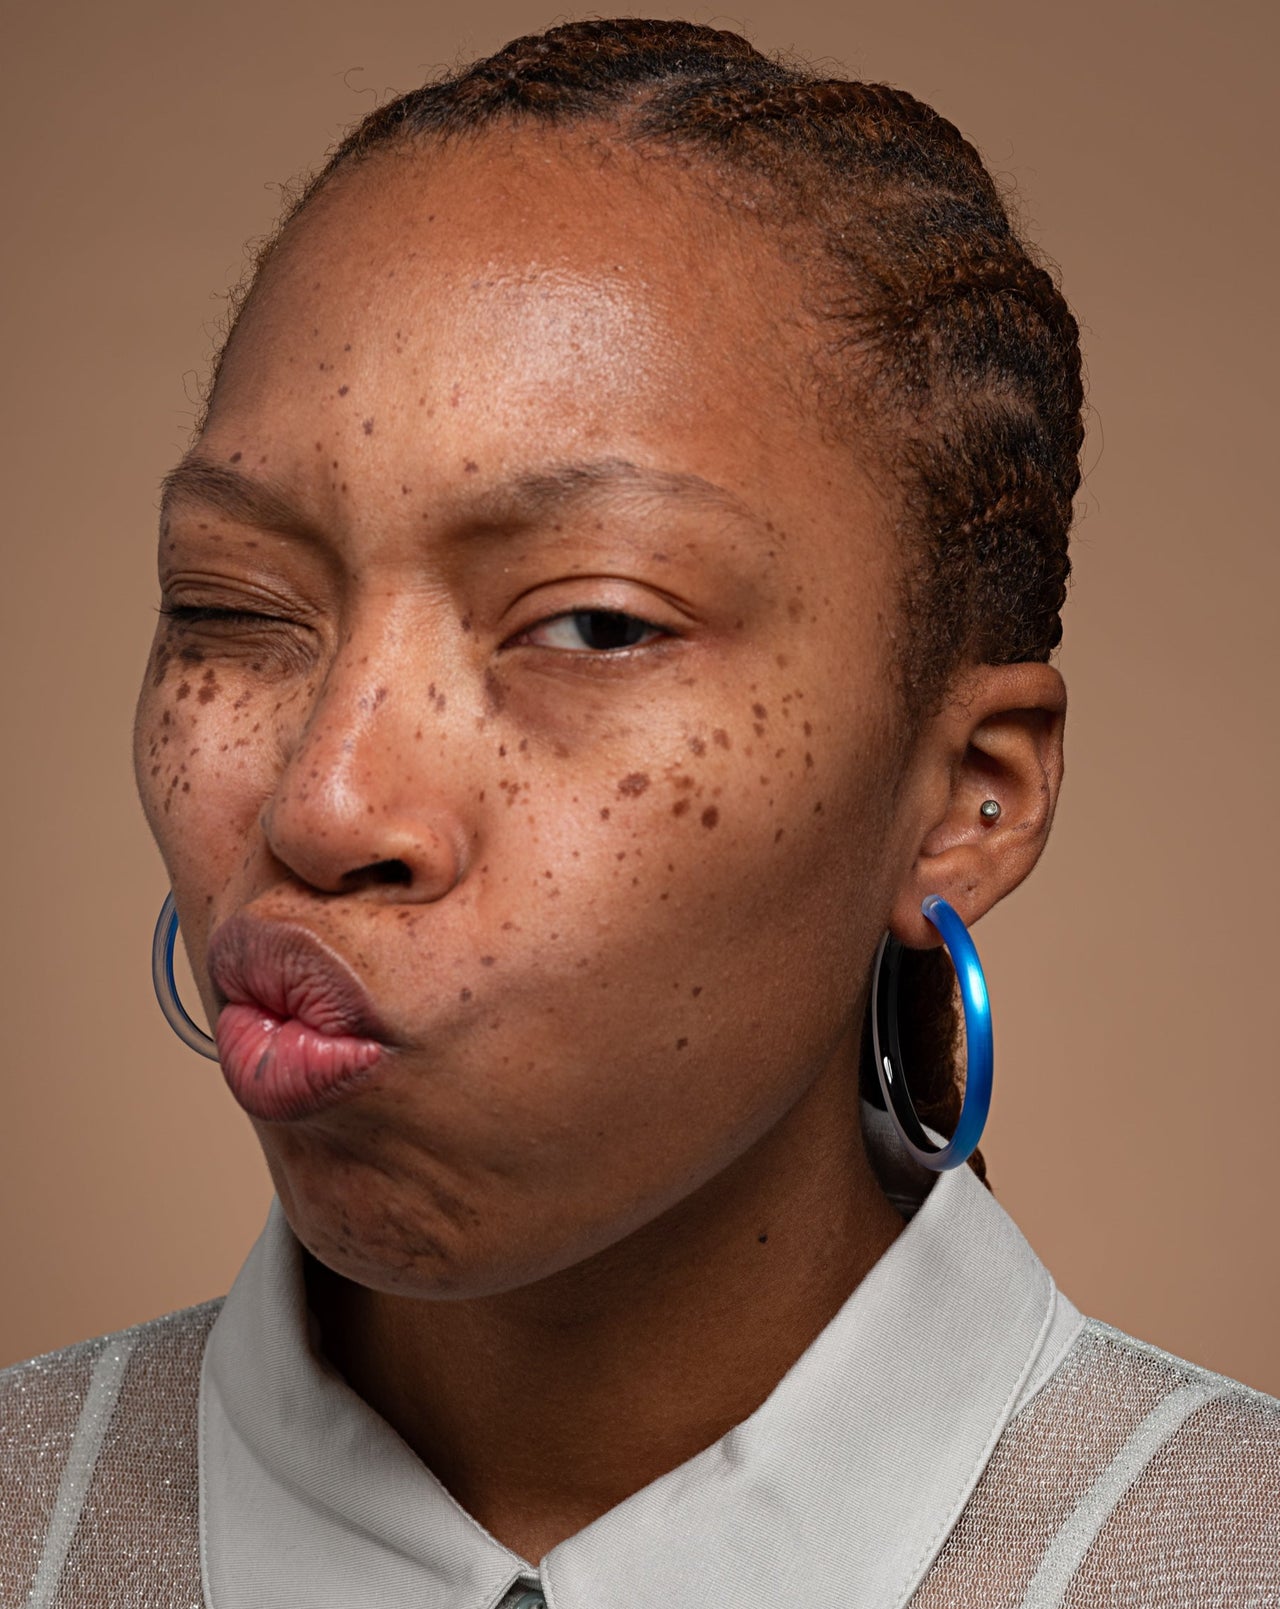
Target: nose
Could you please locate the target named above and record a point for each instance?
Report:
(360, 808)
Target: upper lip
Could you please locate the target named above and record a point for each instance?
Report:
(284, 968)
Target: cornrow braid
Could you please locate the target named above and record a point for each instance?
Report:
(947, 341)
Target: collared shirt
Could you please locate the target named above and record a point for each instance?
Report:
(957, 1434)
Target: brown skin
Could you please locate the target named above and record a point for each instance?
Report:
(624, 940)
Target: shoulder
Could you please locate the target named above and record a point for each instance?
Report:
(98, 1441)
(47, 1394)
(1142, 1402)
(1132, 1477)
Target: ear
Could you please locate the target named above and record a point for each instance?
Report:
(998, 736)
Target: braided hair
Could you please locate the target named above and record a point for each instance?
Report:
(942, 334)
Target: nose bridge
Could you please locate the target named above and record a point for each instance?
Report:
(364, 786)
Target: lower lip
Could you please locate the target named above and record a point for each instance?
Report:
(281, 1070)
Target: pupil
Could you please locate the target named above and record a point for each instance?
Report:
(603, 628)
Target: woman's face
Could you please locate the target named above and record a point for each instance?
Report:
(533, 653)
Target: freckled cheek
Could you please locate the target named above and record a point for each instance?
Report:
(203, 756)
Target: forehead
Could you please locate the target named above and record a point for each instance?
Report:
(538, 277)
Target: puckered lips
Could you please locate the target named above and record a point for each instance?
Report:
(298, 1032)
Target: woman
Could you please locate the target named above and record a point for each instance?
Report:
(612, 589)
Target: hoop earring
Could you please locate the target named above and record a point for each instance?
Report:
(977, 1029)
(175, 1013)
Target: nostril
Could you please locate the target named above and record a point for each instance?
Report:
(379, 871)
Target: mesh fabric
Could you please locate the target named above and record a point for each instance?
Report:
(98, 1478)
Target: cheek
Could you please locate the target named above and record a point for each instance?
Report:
(660, 915)
(201, 749)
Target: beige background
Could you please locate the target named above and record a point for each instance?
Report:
(1136, 1113)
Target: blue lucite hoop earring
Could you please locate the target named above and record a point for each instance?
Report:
(175, 1013)
(977, 1030)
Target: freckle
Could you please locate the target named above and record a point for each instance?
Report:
(495, 697)
(762, 1239)
(367, 426)
(696, 990)
(486, 960)
(817, 809)
(808, 729)
(524, 745)
(464, 994)
(186, 787)
(319, 446)
(782, 661)
(759, 729)
(697, 745)
(680, 806)
(235, 458)
(808, 762)
(343, 389)
(681, 1043)
(604, 814)
(710, 816)
(633, 784)
(470, 467)
(720, 737)
(184, 690)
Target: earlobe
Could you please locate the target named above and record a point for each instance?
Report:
(990, 767)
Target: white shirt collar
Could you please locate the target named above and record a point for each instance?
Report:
(839, 1489)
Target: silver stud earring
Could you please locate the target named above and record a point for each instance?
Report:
(989, 809)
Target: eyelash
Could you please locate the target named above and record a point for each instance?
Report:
(196, 614)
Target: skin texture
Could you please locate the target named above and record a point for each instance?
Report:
(617, 909)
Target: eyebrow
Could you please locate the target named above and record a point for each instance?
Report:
(243, 498)
(250, 500)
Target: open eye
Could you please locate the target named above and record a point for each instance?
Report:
(592, 631)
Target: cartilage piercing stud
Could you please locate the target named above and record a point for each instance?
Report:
(989, 809)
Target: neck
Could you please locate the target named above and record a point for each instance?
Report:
(543, 1407)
